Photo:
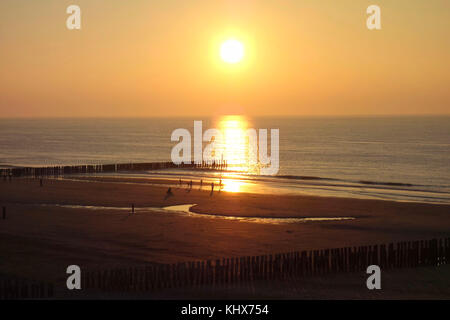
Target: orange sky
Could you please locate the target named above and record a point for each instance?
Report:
(161, 58)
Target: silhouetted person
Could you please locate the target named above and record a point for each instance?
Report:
(169, 193)
(212, 188)
(201, 183)
(180, 182)
(190, 185)
(132, 208)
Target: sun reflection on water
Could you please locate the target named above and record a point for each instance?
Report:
(233, 185)
(235, 147)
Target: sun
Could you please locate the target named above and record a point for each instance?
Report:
(232, 51)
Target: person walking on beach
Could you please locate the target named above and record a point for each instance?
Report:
(190, 185)
(169, 193)
(201, 184)
(180, 182)
(212, 188)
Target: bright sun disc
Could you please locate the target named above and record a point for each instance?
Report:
(232, 51)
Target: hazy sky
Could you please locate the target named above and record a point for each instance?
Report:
(161, 58)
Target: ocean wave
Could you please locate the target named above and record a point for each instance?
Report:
(399, 184)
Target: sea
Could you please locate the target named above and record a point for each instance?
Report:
(400, 158)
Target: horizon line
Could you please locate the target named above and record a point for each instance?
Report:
(225, 114)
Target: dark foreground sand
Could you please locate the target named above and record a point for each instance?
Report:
(38, 240)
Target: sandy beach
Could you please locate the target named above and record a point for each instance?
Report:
(89, 223)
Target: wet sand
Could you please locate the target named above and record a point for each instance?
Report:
(39, 240)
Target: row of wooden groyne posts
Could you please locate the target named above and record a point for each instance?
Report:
(284, 266)
(105, 168)
(244, 271)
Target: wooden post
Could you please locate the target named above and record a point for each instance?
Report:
(315, 254)
(270, 267)
(146, 279)
(232, 270)
(216, 273)
(305, 263)
(434, 245)
(247, 267)
(447, 251)
(376, 255)
(209, 272)
(420, 252)
(202, 273)
(226, 267)
(327, 261)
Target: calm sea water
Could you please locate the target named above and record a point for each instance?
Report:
(403, 158)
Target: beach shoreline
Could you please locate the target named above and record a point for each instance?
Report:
(150, 192)
(42, 234)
